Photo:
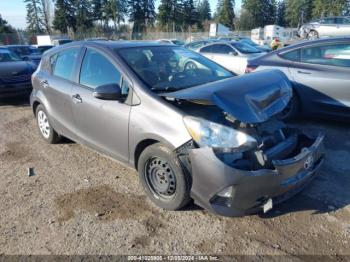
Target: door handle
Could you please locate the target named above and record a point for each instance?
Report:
(45, 83)
(77, 99)
(304, 72)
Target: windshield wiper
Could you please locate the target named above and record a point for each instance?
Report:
(164, 89)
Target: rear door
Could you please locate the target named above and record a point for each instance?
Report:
(57, 85)
(322, 78)
(328, 27)
(103, 124)
(343, 26)
(225, 56)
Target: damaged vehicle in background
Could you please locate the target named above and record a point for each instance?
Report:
(192, 132)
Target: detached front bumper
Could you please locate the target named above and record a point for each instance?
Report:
(251, 190)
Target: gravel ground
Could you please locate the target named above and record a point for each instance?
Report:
(79, 202)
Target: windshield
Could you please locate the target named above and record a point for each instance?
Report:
(7, 56)
(171, 68)
(21, 50)
(248, 42)
(178, 42)
(244, 48)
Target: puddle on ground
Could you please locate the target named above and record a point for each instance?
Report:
(104, 203)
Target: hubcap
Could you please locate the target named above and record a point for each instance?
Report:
(44, 125)
(160, 177)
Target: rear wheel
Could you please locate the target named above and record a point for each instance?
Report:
(46, 130)
(162, 177)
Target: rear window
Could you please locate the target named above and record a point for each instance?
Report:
(63, 63)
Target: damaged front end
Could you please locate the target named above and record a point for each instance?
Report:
(242, 159)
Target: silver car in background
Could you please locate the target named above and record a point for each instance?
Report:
(326, 27)
(232, 55)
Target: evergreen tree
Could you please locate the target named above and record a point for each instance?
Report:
(263, 12)
(142, 13)
(324, 8)
(117, 11)
(5, 28)
(83, 14)
(281, 13)
(204, 12)
(189, 14)
(298, 12)
(245, 21)
(169, 15)
(46, 15)
(34, 16)
(65, 18)
(225, 13)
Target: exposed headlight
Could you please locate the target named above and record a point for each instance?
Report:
(217, 136)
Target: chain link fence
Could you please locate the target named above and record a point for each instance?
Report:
(23, 38)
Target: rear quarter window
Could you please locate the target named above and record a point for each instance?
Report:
(291, 55)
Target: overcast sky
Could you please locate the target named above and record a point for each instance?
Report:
(14, 11)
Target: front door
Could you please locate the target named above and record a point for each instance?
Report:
(102, 124)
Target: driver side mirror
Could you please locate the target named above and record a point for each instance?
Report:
(108, 92)
(233, 53)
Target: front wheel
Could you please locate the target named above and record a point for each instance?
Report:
(163, 178)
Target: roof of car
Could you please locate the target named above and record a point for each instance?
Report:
(314, 42)
(118, 44)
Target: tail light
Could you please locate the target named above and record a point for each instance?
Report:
(250, 69)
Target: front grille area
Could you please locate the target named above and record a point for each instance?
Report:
(15, 79)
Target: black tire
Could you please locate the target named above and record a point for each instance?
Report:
(312, 35)
(291, 111)
(158, 163)
(51, 137)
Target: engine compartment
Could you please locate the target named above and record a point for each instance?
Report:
(276, 141)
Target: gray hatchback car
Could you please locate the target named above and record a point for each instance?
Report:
(192, 129)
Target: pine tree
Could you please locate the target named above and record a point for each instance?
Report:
(226, 13)
(281, 13)
(298, 12)
(65, 18)
(204, 12)
(83, 14)
(169, 15)
(324, 8)
(263, 12)
(34, 16)
(189, 14)
(117, 11)
(142, 13)
(5, 28)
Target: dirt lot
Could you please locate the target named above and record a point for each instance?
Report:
(79, 202)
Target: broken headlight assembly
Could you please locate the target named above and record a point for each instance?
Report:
(218, 137)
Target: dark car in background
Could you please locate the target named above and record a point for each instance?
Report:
(26, 53)
(15, 74)
(320, 73)
(191, 132)
(248, 41)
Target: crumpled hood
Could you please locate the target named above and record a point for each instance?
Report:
(251, 98)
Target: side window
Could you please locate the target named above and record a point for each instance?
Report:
(97, 70)
(340, 21)
(329, 21)
(334, 55)
(221, 49)
(347, 21)
(63, 63)
(292, 55)
(206, 49)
